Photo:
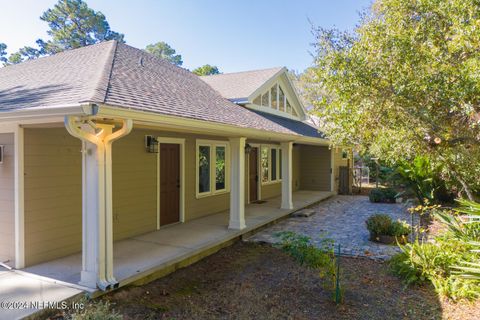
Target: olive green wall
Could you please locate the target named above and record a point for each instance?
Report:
(315, 168)
(53, 200)
(53, 194)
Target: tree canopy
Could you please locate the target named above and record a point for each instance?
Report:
(405, 83)
(163, 50)
(73, 24)
(3, 52)
(206, 70)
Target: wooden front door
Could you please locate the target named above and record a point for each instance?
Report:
(253, 174)
(169, 183)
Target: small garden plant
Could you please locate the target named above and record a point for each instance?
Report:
(320, 257)
(383, 229)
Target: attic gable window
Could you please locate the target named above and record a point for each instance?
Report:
(275, 98)
(266, 99)
(281, 99)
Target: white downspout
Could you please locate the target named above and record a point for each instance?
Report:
(108, 140)
(104, 271)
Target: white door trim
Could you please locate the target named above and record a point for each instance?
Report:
(259, 172)
(181, 142)
(19, 198)
(332, 169)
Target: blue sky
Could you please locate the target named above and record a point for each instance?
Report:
(234, 35)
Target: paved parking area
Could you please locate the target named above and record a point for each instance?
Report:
(341, 218)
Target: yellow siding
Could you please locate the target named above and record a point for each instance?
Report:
(271, 190)
(134, 179)
(53, 188)
(315, 168)
(135, 184)
(53, 200)
(7, 205)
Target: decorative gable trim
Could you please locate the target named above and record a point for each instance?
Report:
(281, 78)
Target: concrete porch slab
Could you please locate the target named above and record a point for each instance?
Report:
(26, 291)
(163, 251)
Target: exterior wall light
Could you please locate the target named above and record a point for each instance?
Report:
(151, 144)
(2, 153)
(248, 148)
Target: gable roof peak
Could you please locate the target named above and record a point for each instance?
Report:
(238, 86)
(273, 69)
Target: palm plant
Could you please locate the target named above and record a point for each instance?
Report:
(467, 231)
(421, 177)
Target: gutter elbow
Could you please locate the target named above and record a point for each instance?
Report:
(90, 109)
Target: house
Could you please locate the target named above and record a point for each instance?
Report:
(108, 142)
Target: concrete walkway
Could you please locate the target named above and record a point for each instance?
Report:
(160, 251)
(342, 219)
(19, 292)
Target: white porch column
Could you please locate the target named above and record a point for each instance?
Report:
(97, 229)
(287, 202)
(93, 213)
(19, 198)
(237, 183)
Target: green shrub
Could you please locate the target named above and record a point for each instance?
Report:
(400, 228)
(449, 262)
(379, 224)
(389, 195)
(301, 248)
(386, 195)
(423, 178)
(375, 195)
(319, 256)
(382, 224)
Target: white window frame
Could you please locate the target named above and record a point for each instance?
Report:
(213, 144)
(285, 98)
(277, 160)
(2, 153)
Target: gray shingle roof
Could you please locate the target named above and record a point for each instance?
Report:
(68, 77)
(240, 85)
(120, 75)
(303, 128)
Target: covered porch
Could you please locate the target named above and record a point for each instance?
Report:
(163, 251)
(98, 219)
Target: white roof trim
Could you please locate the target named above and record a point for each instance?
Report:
(303, 114)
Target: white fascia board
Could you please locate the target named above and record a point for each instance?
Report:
(239, 100)
(47, 112)
(296, 96)
(201, 126)
(266, 84)
(275, 112)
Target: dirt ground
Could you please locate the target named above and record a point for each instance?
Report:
(254, 281)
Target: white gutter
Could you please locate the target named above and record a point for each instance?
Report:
(103, 209)
(54, 111)
(154, 119)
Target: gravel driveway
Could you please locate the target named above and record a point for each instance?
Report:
(341, 218)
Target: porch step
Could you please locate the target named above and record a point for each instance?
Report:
(304, 213)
